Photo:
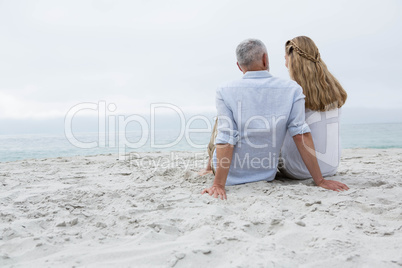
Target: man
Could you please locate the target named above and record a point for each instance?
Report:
(254, 114)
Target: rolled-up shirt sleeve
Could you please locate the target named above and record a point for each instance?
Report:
(227, 127)
(297, 118)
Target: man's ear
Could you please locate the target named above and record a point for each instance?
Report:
(265, 60)
(238, 65)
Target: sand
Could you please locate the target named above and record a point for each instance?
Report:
(147, 211)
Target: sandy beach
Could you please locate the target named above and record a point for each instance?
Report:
(147, 211)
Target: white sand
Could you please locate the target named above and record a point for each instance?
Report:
(97, 211)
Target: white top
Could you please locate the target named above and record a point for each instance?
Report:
(324, 128)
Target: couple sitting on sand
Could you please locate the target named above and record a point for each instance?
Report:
(266, 125)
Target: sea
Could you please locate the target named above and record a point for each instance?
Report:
(42, 146)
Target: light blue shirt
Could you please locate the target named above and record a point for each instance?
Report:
(254, 114)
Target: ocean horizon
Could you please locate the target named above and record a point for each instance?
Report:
(42, 146)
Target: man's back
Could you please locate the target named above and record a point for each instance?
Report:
(254, 114)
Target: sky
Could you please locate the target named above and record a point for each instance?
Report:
(57, 54)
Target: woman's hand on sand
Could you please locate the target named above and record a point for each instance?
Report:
(204, 171)
(216, 191)
(333, 185)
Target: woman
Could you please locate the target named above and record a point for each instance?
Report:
(324, 98)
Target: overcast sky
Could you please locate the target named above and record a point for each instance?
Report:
(55, 54)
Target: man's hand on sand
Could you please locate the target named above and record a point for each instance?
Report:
(333, 185)
(216, 191)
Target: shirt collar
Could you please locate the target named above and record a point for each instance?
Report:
(256, 74)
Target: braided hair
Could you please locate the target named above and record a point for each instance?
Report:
(322, 90)
(304, 54)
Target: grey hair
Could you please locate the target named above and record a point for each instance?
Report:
(249, 51)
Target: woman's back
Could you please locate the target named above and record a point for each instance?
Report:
(324, 128)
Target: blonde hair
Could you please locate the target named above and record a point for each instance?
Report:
(322, 90)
